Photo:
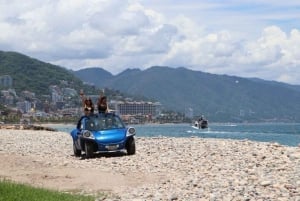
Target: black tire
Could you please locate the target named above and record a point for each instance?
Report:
(130, 146)
(89, 153)
(77, 152)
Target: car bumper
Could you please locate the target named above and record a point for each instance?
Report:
(111, 147)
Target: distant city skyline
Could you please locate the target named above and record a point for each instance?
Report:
(243, 38)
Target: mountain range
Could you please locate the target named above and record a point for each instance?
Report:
(220, 98)
(217, 97)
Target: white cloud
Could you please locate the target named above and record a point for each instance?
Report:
(250, 38)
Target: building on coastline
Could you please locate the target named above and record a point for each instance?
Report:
(24, 106)
(6, 81)
(189, 113)
(136, 111)
(138, 108)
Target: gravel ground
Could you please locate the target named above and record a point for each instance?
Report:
(162, 169)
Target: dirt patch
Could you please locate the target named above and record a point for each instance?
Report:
(40, 173)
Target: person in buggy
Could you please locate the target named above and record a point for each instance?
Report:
(87, 103)
(102, 103)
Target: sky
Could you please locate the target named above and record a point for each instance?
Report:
(245, 38)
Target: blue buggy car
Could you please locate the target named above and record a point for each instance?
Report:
(102, 133)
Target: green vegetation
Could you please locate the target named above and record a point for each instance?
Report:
(10, 191)
(36, 76)
(221, 98)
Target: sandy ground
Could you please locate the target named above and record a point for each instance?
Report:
(162, 168)
(29, 161)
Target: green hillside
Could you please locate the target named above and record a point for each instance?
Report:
(220, 98)
(97, 75)
(36, 76)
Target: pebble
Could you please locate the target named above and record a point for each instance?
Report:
(190, 168)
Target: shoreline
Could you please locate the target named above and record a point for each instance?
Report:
(164, 168)
(186, 130)
(26, 127)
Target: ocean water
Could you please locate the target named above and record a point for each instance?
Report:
(282, 133)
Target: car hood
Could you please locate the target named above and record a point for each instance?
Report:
(110, 136)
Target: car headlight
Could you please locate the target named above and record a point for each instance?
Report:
(130, 131)
(88, 134)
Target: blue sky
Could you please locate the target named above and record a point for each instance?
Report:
(249, 38)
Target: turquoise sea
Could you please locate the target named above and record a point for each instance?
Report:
(283, 133)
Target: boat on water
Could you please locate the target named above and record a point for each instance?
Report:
(201, 123)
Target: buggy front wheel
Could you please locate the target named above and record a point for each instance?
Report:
(88, 150)
(77, 152)
(130, 146)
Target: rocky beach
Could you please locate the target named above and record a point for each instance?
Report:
(163, 168)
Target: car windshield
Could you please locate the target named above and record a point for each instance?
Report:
(103, 122)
